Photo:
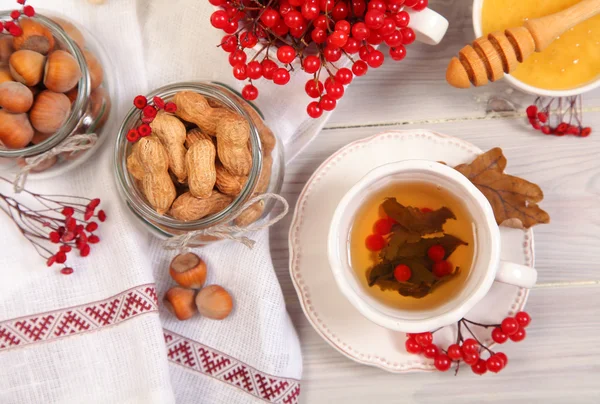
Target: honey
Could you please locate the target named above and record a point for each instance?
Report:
(571, 61)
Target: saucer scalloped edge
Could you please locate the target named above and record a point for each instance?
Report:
(328, 311)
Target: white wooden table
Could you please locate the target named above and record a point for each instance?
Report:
(560, 360)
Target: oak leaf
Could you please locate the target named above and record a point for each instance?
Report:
(512, 198)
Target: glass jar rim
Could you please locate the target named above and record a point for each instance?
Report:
(81, 101)
(127, 185)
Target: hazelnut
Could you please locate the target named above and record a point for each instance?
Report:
(62, 72)
(15, 97)
(214, 302)
(71, 30)
(95, 69)
(35, 37)
(27, 67)
(39, 137)
(72, 94)
(50, 111)
(15, 130)
(188, 270)
(5, 75)
(6, 49)
(180, 302)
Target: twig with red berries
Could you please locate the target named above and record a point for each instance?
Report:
(469, 350)
(12, 26)
(59, 220)
(317, 33)
(148, 111)
(558, 116)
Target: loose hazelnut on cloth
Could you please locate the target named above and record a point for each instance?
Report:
(180, 302)
(188, 270)
(214, 302)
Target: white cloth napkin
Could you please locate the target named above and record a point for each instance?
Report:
(99, 335)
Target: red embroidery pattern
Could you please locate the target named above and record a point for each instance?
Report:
(202, 359)
(77, 320)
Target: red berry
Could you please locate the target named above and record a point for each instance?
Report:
(535, 124)
(281, 29)
(239, 71)
(358, 7)
(374, 19)
(314, 110)
(499, 336)
(140, 102)
(326, 5)
(219, 19)
(69, 236)
(70, 223)
(410, 3)
(334, 89)
(249, 92)
(343, 26)
(344, 76)
(375, 59)
(494, 364)
(101, 215)
(394, 40)
(531, 111)
(332, 54)
(454, 352)
(311, 64)
(322, 22)
(360, 31)
(66, 271)
(523, 318)
(377, 5)
(65, 248)
(436, 253)
(510, 326)
(237, 56)
(374, 242)
(54, 237)
(281, 76)
(270, 18)
(286, 54)
(61, 257)
(383, 226)
(359, 68)
(398, 52)
(424, 338)
(402, 19)
(375, 38)
(364, 51)
(442, 362)
(28, 11)
(68, 211)
(470, 358)
(519, 335)
(480, 367)
(149, 111)
(412, 346)
(340, 11)
(421, 5)
(431, 351)
(15, 14)
(503, 358)
(314, 88)
(170, 107)
(546, 130)
(585, 132)
(254, 70)
(408, 36)
(84, 250)
(294, 19)
(442, 268)
(158, 102)
(470, 345)
(328, 104)
(311, 9)
(144, 130)
(248, 40)
(402, 273)
(337, 39)
(268, 68)
(542, 116)
(318, 35)
(388, 27)
(91, 227)
(93, 239)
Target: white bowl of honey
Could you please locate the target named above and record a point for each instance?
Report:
(569, 66)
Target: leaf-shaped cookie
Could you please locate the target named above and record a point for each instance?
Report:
(511, 197)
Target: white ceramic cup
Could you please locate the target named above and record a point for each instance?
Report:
(486, 267)
(477, 8)
(429, 26)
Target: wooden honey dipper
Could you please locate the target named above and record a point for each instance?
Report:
(498, 53)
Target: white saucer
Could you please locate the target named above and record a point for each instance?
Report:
(332, 316)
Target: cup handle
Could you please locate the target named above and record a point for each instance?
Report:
(429, 26)
(515, 274)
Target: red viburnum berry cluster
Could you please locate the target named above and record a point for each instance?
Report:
(469, 350)
(12, 26)
(316, 34)
(66, 221)
(558, 116)
(148, 111)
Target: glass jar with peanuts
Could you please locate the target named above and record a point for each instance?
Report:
(208, 162)
(56, 85)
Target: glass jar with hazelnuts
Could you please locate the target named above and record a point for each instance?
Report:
(56, 85)
(195, 163)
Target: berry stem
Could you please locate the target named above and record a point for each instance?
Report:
(476, 339)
